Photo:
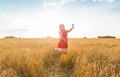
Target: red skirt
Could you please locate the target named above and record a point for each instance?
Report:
(62, 44)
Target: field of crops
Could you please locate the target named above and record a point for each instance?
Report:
(37, 58)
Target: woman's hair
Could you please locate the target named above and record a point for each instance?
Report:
(61, 27)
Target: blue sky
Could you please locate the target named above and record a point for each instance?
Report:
(40, 18)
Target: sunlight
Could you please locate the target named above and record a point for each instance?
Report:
(46, 23)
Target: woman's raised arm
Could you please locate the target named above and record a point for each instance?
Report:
(71, 28)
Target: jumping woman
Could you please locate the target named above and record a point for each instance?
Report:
(63, 42)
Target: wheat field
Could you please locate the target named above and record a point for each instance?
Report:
(37, 58)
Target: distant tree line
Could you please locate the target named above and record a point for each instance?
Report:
(106, 37)
(51, 37)
(9, 37)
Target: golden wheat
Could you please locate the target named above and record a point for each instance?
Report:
(37, 58)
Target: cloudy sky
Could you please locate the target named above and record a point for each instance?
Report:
(41, 18)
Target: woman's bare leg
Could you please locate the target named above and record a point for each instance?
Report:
(61, 50)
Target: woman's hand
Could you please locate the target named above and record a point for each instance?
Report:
(72, 25)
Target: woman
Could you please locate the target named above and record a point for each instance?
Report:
(63, 43)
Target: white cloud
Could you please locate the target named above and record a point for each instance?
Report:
(98, 0)
(56, 4)
(59, 3)
(103, 0)
(94, 0)
(62, 2)
(111, 0)
(83, 0)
